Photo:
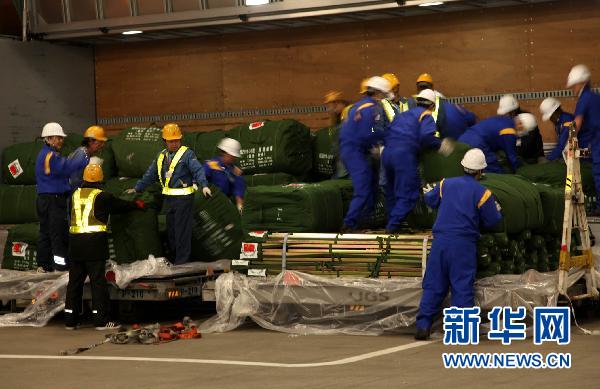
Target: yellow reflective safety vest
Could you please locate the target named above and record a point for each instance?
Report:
(388, 108)
(164, 181)
(436, 110)
(83, 220)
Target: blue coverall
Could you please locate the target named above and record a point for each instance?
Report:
(456, 120)
(562, 132)
(464, 205)
(361, 130)
(491, 135)
(409, 133)
(52, 172)
(225, 178)
(76, 179)
(180, 209)
(588, 107)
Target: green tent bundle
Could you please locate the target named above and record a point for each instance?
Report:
(217, 231)
(134, 236)
(274, 146)
(109, 166)
(268, 179)
(18, 160)
(204, 144)
(18, 204)
(135, 149)
(553, 204)
(555, 173)
(293, 208)
(118, 185)
(435, 166)
(20, 250)
(520, 201)
(325, 152)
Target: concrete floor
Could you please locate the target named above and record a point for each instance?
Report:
(417, 367)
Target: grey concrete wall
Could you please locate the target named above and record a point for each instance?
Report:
(42, 82)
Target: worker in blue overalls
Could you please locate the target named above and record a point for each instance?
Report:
(222, 172)
(456, 120)
(408, 134)
(499, 133)
(94, 139)
(52, 173)
(464, 206)
(587, 117)
(360, 136)
(180, 174)
(552, 111)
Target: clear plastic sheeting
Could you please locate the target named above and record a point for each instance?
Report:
(48, 290)
(160, 267)
(305, 304)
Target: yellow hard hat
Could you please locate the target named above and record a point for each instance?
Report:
(425, 77)
(95, 132)
(171, 131)
(332, 96)
(93, 173)
(363, 85)
(392, 79)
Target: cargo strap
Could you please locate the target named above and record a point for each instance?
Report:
(82, 219)
(284, 252)
(164, 181)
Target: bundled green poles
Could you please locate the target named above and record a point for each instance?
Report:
(333, 255)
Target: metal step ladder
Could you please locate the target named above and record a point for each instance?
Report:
(575, 219)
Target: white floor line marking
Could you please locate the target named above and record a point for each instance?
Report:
(343, 361)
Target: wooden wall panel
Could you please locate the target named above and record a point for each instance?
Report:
(488, 51)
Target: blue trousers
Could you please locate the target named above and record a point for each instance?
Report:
(402, 186)
(180, 219)
(596, 170)
(452, 263)
(364, 182)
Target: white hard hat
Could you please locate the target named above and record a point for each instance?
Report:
(379, 83)
(427, 94)
(507, 104)
(439, 94)
(579, 73)
(528, 122)
(230, 146)
(548, 107)
(474, 159)
(53, 129)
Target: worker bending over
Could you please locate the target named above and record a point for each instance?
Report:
(180, 174)
(552, 111)
(587, 117)
(499, 133)
(94, 139)
(530, 146)
(408, 134)
(361, 133)
(222, 172)
(464, 205)
(52, 172)
(88, 247)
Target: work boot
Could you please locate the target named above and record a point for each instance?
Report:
(347, 230)
(70, 327)
(422, 333)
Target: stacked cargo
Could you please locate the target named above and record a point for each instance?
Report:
(333, 255)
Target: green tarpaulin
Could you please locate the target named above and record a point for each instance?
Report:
(135, 149)
(20, 250)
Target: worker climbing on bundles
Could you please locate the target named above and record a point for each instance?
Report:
(499, 133)
(94, 139)
(52, 172)
(180, 174)
(88, 247)
(224, 174)
(361, 133)
(409, 134)
(464, 205)
(587, 117)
